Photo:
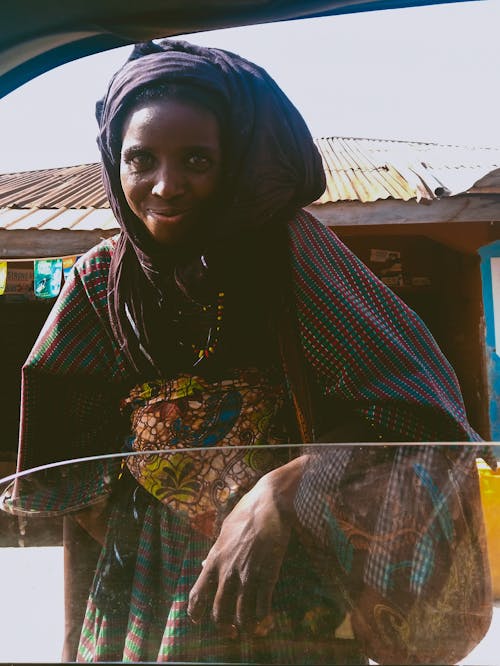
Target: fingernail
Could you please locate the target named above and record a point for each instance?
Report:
(263, 627)
(194, 617)
(229, 631)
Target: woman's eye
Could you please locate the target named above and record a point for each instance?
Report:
(139, 161)
(199, 163)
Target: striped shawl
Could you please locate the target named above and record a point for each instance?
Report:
(362, 344)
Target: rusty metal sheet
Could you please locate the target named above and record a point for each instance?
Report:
(363, 170)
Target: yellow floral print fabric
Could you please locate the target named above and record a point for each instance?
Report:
(204, 441)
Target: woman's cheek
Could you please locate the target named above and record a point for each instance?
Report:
(134, 188)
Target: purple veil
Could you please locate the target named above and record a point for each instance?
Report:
(272, 169)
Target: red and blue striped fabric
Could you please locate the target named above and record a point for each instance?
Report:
(363, 344)
(366, 346)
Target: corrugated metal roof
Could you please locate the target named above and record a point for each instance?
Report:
(75, 219)
(64, 187)
(363, 170)
(371, 169)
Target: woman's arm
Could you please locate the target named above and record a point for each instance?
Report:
(241, 569)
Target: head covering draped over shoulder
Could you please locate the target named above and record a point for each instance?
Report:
(271, 166)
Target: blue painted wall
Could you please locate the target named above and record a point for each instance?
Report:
(493, 360)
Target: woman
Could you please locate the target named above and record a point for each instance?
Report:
(224, 314)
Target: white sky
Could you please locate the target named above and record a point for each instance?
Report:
(425, 73)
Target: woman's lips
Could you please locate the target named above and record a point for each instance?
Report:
(169, 216)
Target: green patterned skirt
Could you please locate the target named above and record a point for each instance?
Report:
(137, 608)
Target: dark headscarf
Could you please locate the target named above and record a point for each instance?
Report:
(271, 169)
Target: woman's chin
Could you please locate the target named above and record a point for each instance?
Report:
(171, 230)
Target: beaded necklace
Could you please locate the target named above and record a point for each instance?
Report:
(213, 332)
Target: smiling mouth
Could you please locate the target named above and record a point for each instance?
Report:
(168, 215)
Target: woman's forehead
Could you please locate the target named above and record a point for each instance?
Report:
(170, 120)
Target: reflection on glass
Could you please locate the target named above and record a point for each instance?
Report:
(245, 321)
(343, 553)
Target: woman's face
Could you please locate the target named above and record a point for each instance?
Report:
(170, 166)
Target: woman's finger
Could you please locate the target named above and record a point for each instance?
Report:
(246, 606)
(263, 601)
(264, 627)
(202, 595)
(224, 606)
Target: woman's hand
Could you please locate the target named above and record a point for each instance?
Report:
(242, 567)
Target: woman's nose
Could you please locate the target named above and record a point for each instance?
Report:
(168, 183)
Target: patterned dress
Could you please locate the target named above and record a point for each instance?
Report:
(368, 354)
